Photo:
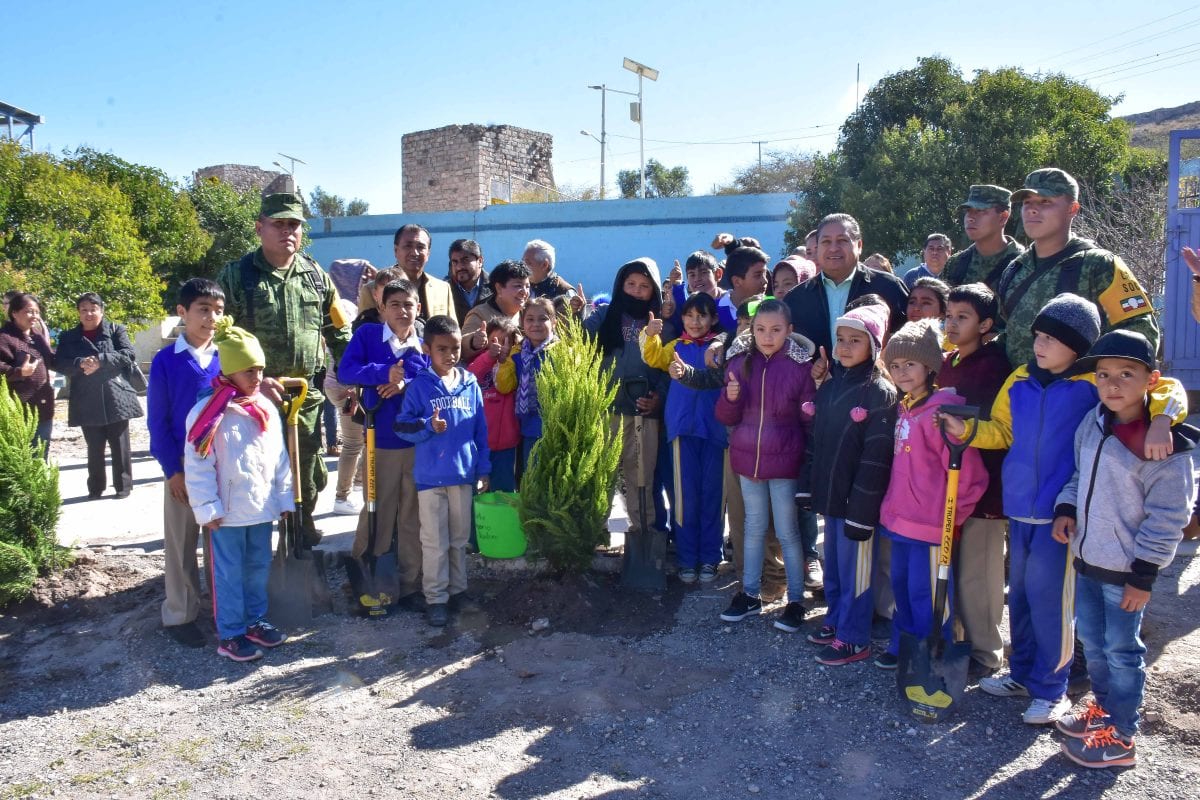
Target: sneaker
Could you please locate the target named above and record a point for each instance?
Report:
(1083, 723)
(1003, 686)
(742, 606)
(687, 575)
(886, 660)
(791, 618)
(238, 649)
(186, 634)
(437, 614)
(265, 634)
(1043, 712)
(814, 578)
(708, 573)
(347, 507)
(826, 635)
(837, 653)
(1104, 748)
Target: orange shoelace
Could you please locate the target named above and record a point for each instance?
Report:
(1104, 737)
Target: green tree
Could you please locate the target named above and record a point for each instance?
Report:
(567, 491)
(167, 221)
(357, 208)
(780, 171)
(660, 181)
(324, 204)
(905, 158)
(63, 233)
(229, 216)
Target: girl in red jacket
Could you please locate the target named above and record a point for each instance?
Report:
(499, 409)
(911, 513)
(764, 390)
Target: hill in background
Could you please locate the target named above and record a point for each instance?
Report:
(1152, 128)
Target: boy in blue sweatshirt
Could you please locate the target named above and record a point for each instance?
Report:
(382, 357)
(178, 374)
(442, 415)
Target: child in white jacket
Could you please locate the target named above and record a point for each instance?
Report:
(238, 483)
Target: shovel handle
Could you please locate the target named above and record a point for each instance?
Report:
(292, 405)
(957, 449)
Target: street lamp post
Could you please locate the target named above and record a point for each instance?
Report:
(604, 90)
(642, 72)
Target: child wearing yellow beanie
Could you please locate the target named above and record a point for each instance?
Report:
(238, 482)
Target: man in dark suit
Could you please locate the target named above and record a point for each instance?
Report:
(817, 302)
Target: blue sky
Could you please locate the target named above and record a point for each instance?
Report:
(180, 86)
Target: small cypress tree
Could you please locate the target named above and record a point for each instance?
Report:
(567, 491)
(29, 498)
(17, 573)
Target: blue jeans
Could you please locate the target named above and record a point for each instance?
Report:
(1113, 645)
(777, 496)
(241, 562)
(41, 438)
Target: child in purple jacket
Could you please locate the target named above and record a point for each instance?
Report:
(764, 390)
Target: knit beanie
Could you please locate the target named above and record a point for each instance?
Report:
(238, 349)
(871, 319)
(1072, 320)
(917, 341)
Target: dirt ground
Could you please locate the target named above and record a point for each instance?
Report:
(563, 689)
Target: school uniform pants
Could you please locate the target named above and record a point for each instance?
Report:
(914, 580)
(979, 574)
(241, 563)
(504, 470)
(116, 436)
(849, 596)
(397, 519)
(181, 573)
(697, 521)
(1041, 609)
(638, 459)
(774, 577)
(445, 530)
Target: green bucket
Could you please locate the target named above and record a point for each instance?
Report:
(498, 525)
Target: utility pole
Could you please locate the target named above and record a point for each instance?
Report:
(642, 72)
(760, 144)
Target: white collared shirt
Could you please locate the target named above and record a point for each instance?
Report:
(399, 346)
(203, 356)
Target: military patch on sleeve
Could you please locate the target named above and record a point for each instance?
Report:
(1124, 298)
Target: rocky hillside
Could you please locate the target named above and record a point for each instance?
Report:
(1152, 128)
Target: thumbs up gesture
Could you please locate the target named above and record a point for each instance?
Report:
(820, 366)
(654, 326)
(676, 275)
(733, 389)
(436, 422)
(677, 368)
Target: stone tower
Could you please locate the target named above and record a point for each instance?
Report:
(455, 168)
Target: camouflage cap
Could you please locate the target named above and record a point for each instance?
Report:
(1048, 182)
(984, 196)
(284, 205)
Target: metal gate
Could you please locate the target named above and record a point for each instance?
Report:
(1182, 333)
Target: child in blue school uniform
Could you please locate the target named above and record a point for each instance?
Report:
(519, 372)
(697, 441)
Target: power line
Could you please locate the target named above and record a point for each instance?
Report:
(1127, 45)
(1133, 65)
(1149, 72)
(1124, 32)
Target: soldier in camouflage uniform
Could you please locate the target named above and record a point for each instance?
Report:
(1058, 262)
(285, 299)
(984, 214)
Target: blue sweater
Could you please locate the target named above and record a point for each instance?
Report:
(458, 455)
(366, 363)
(175, 382)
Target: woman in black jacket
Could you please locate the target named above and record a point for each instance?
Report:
(97, 355)
(25, 360)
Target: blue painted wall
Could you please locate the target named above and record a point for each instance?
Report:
(592, 239)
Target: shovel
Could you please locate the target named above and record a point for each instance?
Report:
(297, 582)
(645, 552)
(368, 572)
(932, 673)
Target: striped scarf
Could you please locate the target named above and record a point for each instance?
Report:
(205, 427)
(531, 361)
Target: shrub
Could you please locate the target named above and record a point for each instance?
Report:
(567, 491)
(17, 573)
(29, 499)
